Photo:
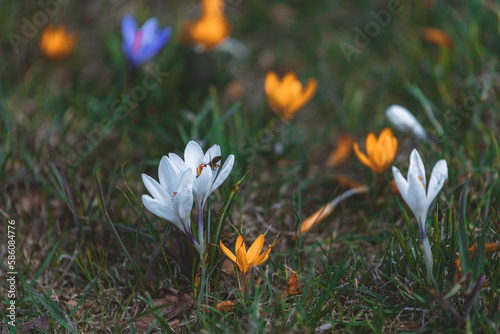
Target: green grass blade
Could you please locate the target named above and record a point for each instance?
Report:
(462, 232)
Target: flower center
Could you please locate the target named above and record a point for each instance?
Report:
(199, 169)
(421, 180)
(137, 41)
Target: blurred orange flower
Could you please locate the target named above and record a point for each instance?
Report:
(246, 260)
(394, 188)
(488, 248)
(342, 152)
(286, 97)
(380, 152)
(438, 37)
(56, 43)
(212, 27)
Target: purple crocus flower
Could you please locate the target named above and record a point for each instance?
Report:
(142, 44)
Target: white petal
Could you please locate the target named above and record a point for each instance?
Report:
(417, 167)
(212, 152)
(163, 171)
(404, 121)
(400, 182)
(201, 186)
(193, 155)
(223, 173)
(183, 203)
(161, 209)
(154, 188)
(177, 162)
(438, 176)
(172, 176)
(416, 199)
(186, 180)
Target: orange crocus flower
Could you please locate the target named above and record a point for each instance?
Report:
(246, 260)
(56, 43)
(286, 97)
(212, 27)
(380, 152)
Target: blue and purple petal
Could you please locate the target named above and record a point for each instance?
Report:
(140, 45)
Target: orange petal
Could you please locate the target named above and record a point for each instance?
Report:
(272, 83)
(212, 7)
(363, 158)
(372, 151)
(386, 149)
(240, 243)
(304, 96)
(241, 260)
(288, 79)
(226, 251)
(255, 249)
(262, 257)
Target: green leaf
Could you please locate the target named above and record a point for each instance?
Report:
(215, 237)
(462, 234)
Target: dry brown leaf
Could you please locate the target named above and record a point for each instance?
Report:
(408, 326)
(293, 285)
(327, 209)
(175, 302)
(72, 303)
(342, 151)
(235, 90)
(41, 323)
(183, 302)
(228, 267)
(225, 306)
(316, 217)
(143, 323)
(346, 182)
(438, 37)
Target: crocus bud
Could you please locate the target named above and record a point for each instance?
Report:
(404, 121)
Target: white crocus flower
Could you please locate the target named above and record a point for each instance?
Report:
(172, 198)
(208, 175)
(404, 121)
(413, 190)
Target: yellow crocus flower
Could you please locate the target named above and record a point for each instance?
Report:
(287, 96)
(246, 260)
(56, 43)
(380, 152)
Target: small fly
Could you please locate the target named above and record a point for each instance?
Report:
(214, 163)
